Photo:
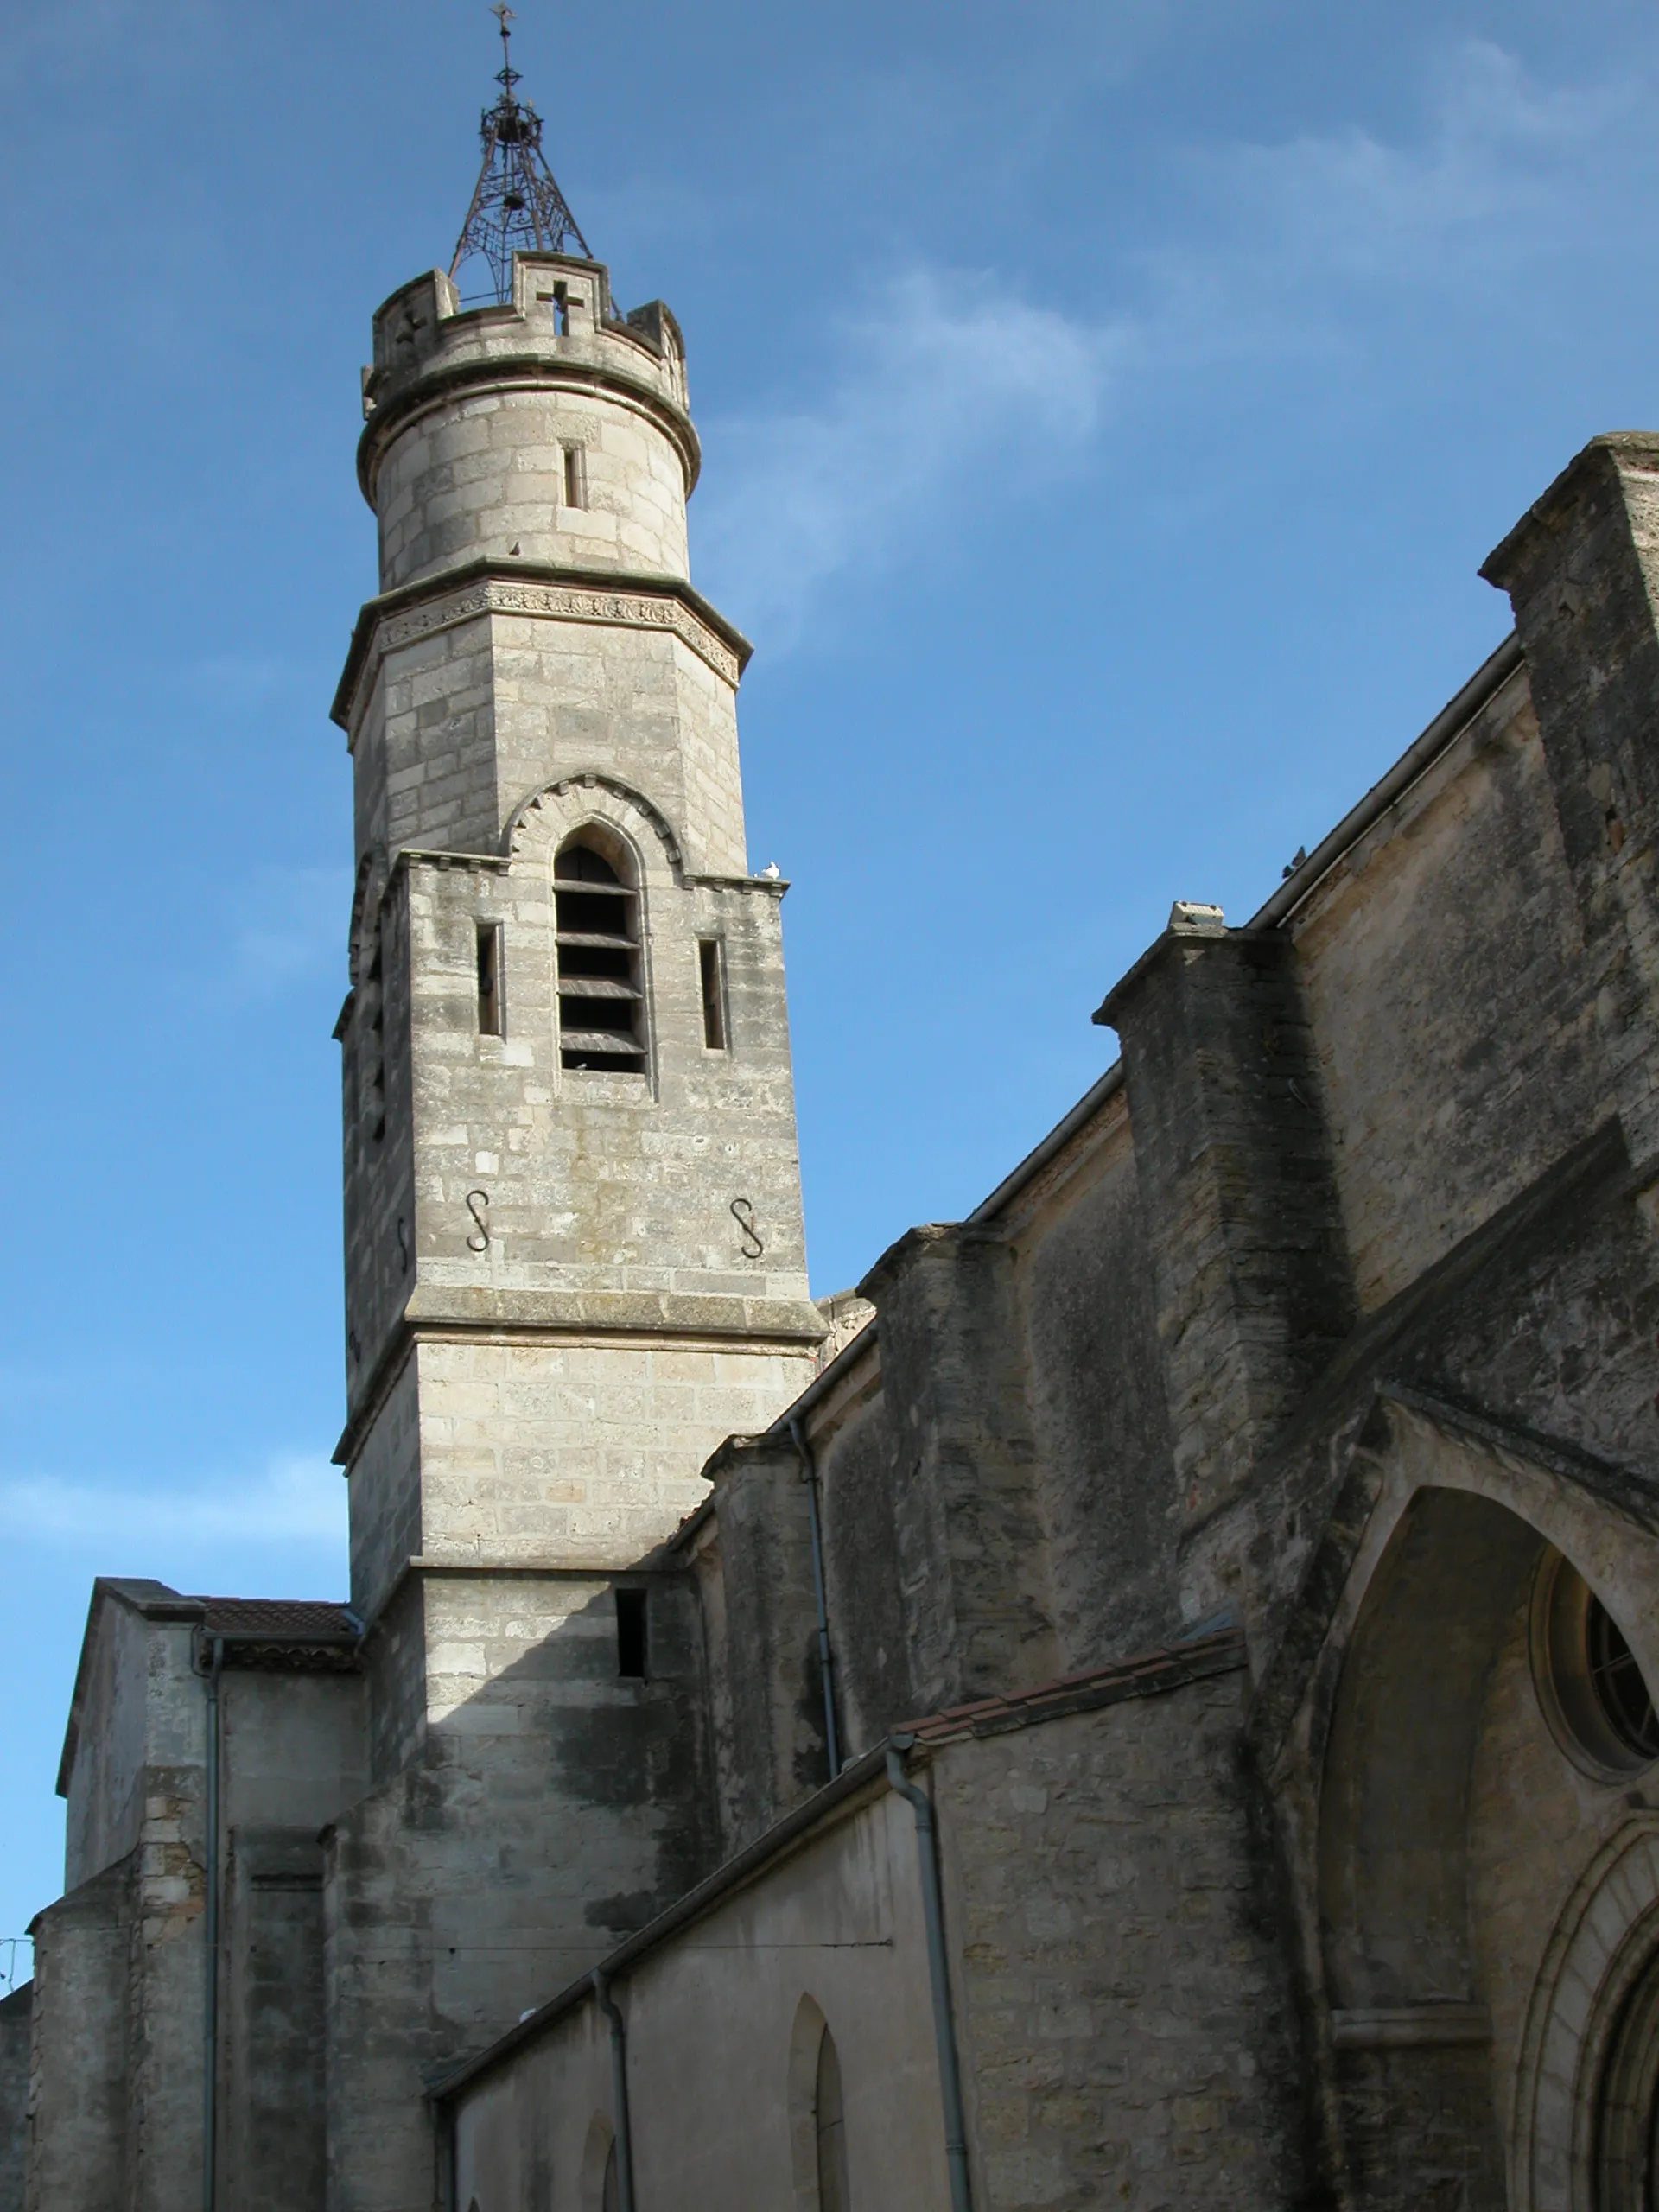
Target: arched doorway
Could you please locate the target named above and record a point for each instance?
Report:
(1488, 1912)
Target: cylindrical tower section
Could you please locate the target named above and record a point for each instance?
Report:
(553, 431)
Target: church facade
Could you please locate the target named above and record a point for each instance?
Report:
(1144, 1704)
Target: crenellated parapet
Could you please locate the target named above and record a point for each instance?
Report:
(552, 428)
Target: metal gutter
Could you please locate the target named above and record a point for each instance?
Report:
(622, 2128)
(938, 1973)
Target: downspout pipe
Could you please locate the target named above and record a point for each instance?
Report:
(826, 1657)
(625, 2199)
(945, 2025)
(210, 2006)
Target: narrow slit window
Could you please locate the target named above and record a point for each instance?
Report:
(709, 965)
(561, 312)
(489, 981)
(631, 1651)
(601, 991)
(575, 477)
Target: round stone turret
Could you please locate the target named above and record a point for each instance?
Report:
(554, 431)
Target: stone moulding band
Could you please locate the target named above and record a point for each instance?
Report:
(548, 602)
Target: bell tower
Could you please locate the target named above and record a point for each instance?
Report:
(573, 1249)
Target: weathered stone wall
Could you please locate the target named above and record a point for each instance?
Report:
(723, 2023)
(1123, 2003)
(1109, 1500)
(862, 1574)
(81, 2116)
(1443, 964)
(105, 1813)
(967, 1538)
(605, 1182)
(554, 1806)
(15, 2026)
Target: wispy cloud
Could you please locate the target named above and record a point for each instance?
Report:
(1499, 173)
(951, 396)
(293, 1501)
(951, 389)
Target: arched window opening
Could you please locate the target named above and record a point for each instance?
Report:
(611, 2197)
(601, 997)
(831, 2127)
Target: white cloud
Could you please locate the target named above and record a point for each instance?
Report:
(950, 390)
(1501, 171)
(952, 396)
(294, 1501)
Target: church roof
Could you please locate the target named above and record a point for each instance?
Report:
(308, 1633)
(305, 1620)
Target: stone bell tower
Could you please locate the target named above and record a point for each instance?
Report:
(574, 1247)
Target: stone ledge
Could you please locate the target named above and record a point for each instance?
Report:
(614, 1312)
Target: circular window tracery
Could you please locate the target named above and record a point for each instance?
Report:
(1590, 1686)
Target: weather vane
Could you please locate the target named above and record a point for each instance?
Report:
(517, 205)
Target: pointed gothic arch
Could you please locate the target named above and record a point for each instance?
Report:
(546, 817)
(1499, 1981)
(816, 2113)
(598, 2166)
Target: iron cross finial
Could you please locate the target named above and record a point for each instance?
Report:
(507, 75)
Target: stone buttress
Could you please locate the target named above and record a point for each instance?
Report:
(574, 1245)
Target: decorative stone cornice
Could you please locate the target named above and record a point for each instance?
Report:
(547, 595)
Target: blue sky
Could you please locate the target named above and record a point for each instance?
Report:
(1106, 408)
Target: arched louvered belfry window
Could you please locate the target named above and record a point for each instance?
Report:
(602, 989)
(831, 2124)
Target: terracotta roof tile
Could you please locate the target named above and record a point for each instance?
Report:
(301, 1620)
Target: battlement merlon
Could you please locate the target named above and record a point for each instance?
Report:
(563, 328)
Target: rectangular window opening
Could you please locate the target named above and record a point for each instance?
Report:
(489, 979)
(631, 1645)
(714, 997)
(576, 486)
(561, 312)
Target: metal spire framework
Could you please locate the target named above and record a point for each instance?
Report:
(516, 203)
